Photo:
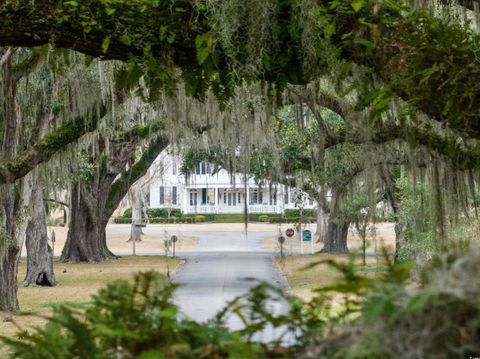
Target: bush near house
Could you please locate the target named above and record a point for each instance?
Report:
(163, 212)
(122, 220)
(296, 213)
(263, 218)
(155, 213)
(178, 217)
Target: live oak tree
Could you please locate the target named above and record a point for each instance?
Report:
(98, 191)
(14, 198)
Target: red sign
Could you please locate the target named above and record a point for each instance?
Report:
(289, 232)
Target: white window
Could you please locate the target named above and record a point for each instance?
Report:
(211, 196)
(256, 196)
(174, 195)
(193, 198)
(162, 195)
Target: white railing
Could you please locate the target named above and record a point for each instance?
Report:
(263, 208)
(256, 208)
(203, 209)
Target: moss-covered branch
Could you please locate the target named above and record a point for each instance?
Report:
(431, 65)
(54, 141)
(120, 187)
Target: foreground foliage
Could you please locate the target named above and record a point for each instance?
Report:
(385, 316)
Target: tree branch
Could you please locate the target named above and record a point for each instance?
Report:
(43, 149)
(121, 186)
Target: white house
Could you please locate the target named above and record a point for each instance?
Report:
(221, 192)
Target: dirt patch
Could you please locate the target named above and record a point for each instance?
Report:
(118, 243)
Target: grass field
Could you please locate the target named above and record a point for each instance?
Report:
(77, 283)
(303, 281)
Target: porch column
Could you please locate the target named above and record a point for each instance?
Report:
(186, 200)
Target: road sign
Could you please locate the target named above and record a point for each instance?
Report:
(289, 232)
(307, 235)
(174, 240)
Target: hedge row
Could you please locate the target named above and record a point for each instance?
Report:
(296, 213)
(221, 218)
(155, 213)
(156, 220)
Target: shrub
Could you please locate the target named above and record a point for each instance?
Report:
(263, 218)
(275, 219)
(199, 218)
(163, 212)
(137, 320)
(122, 220)
(229, 218)
(127, 213)
(296, 213)
(209, 217)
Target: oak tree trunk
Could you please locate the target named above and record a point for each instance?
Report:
(336, 238)
(93, 201)
(337, 231)
(39, 252)
(86, 239)
(393, 195)
(14, 198)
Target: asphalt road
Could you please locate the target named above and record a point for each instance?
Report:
(224, 266)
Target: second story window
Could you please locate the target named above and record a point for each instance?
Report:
(174, 167)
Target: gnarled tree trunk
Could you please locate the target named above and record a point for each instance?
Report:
(396, 204)
(12, 237)
(86, 239)
(93, 203)
(337, 231)
(39, 252)
(336, 238)
(14, 198)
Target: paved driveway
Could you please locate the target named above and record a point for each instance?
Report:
(225, 266)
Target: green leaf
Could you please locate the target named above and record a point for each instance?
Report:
(364, 42)
(203, 45)
(71, 3)
(171, 38)
(266, 62)
(106, 44)
(357, 5)
(109, 11)
(329, 29)
(151, 354)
